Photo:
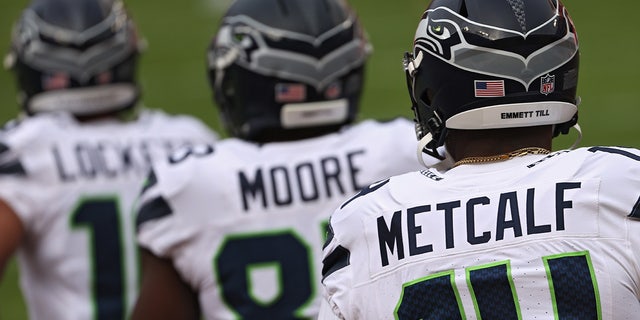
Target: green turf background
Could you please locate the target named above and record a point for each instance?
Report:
(173, 75)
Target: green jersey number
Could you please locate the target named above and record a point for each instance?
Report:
(284, 251)
(574, 292)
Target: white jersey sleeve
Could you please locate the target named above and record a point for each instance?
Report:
(244, 223)
(535, 237)
(73, 186)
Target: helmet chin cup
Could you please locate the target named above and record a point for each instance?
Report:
(428, 146)
(579, 138)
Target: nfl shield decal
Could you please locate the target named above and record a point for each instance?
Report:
(547, 84)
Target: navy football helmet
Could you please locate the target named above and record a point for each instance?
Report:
(75, 55)
(283, 70)
(486, 64)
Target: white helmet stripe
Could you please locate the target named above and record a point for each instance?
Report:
(513, 115)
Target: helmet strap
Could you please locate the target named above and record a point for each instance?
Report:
(427, 145)
(578, 139)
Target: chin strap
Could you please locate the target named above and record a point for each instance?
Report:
(578, 139)
(421, 145)
(441, 160)
(445, 162)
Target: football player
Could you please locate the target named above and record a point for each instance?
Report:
(512, 230)
(237, 231)
(72, 166)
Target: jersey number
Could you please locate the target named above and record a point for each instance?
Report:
(100, 216)
(571, 281)
(284, 252)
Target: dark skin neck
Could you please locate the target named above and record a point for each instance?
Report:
(482, 143)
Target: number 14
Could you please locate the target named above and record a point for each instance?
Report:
(574, 291)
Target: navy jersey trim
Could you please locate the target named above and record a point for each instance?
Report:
(10, 166)
(153, 209)
(13, 167)
(635, 213)
(335, 261)
(616, 151)
(371, 188)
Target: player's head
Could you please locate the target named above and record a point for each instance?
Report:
(75, 55)
(283, 70)
(491, 64)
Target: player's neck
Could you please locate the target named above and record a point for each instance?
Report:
(498, 143)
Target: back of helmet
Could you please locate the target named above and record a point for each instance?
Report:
(75, 55)
(492, 64)
(285, 70)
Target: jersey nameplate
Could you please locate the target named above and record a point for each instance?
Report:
(282, 185)
(109, 159)
(481, 221)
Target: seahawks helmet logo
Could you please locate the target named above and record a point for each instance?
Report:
(467, 45)
(253, 45)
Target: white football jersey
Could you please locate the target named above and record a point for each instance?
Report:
(244, 223)
(536, 237)
(73, 186)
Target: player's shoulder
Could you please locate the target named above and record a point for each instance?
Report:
(372, 126)
(22, 137)
(614, 162)
(394, 140)
(619, 166)
(603, 159)
(177, 195)
(611, 153)
(169, 186)
(183, 165)
(199, 161)
(27, 129)
(10, 163)
(362, 211)
(157, 118)
(191, 170)
(383, 194)
(168, 180)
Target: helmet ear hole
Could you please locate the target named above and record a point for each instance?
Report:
(426, 97)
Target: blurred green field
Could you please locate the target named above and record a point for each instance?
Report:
(173, 74)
